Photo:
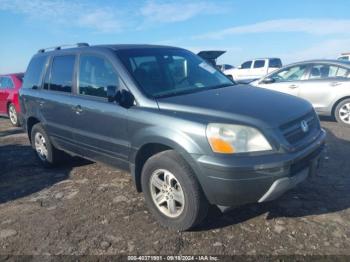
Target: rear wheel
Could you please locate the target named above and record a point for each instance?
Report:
(342, 113)
(172, 191)
(12, 112)
(45, 151)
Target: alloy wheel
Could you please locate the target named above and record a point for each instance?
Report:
(344, 113)
(40, 146)
(13, 114)
(167, 193)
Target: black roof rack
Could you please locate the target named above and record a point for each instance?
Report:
(43, 50)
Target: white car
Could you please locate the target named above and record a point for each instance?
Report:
(344, 56)
(253, 69)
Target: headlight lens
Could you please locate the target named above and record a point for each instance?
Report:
(229, 139)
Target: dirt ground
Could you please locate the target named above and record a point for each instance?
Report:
(90, 208)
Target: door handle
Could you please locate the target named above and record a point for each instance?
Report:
(293, 86)
(78, 109)
(335, 83)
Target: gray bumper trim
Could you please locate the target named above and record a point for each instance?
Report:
(282, 185)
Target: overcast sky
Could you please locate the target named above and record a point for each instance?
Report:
(293, 30)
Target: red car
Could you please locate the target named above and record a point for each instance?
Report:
(9, 104)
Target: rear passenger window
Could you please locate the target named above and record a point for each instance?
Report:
(325, 71)
(60, 77)
(6, 82)
(97, 76)
(259, 63)
(32, 78)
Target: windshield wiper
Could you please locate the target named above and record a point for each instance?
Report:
(176, 93)
(220, 86)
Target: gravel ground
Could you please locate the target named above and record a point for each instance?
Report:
(90, 208)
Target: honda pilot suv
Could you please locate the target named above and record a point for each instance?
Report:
(189, 136)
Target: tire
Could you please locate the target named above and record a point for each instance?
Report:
(12, 113)
(47, 154)
(342, 113)
(194, 206)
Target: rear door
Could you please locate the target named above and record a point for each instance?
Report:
(323, 80)
(56, 101)
(259, 69)
(287, 80)
(100, 126)
(2, 97)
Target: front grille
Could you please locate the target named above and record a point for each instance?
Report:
(293, 132)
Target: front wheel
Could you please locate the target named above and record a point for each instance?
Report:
(172, 191)
(12, 112)
(342, 113)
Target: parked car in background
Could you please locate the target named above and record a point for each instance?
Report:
(211, 56)
(324, 83)
(344, 56)
(253, 69)
(224, 67)
(188, 136)
(9, 103)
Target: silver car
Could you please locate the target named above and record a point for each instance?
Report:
(324, 83)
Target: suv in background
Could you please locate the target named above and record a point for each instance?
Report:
(253, 69)
(344, 56)
(188, 136)
(9, 103)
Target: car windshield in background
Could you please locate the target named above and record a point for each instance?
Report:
(162, 72)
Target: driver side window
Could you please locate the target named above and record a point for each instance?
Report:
(294, 73)
(246, 65)
(97, 76)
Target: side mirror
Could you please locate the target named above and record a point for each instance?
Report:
(268, 80)
(124, 98)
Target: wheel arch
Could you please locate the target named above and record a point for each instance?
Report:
(31, 121)
(155, 145)
(337, 103)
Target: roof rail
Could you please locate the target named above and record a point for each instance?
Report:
(43, 50)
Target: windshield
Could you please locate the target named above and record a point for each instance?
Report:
(162, 72)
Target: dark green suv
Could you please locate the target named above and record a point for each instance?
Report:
(189, 136)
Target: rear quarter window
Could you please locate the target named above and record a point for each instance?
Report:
(275, 63)
(32, 78)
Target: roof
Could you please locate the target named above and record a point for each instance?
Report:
(324, 61)
(111, 46)
(13, 74)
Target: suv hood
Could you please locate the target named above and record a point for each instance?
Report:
(241, 104)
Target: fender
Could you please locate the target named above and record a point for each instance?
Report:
(175, 139)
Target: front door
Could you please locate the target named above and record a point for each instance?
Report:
(243, 72)
(287, 80)
(100, 126)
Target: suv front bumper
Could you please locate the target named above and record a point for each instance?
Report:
(231, 181)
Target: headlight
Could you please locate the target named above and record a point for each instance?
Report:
(229, 139)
